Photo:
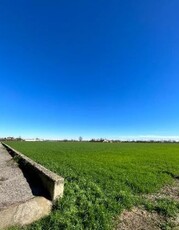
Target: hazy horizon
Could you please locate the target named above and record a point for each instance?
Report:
(122, 138)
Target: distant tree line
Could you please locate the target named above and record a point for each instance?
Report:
(98, 140)
(132, 141)
(11, 139)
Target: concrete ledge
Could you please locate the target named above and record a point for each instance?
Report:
(53, 183)
(25, 213)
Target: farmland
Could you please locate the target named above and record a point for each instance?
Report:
(103, 179)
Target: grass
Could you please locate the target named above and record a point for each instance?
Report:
(102, 179)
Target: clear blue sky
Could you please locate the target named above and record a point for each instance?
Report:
(89, 68)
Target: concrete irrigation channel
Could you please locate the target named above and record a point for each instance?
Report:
(27, 189)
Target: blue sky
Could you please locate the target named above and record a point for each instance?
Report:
(89, 68)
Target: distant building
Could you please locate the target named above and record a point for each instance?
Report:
(106, 141)
(30, 139)
(34, 139)
(10, 138)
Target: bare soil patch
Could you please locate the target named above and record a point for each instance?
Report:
(168, 192)
(140, 219)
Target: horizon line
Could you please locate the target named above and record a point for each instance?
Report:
(129, 137)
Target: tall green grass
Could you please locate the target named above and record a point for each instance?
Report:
(101, 179)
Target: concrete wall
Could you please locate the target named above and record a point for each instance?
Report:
(53, 183)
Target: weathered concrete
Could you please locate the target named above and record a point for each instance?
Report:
(13, 186)
(25, 213)
(18, 205)
(52, 182)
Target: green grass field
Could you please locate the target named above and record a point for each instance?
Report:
(102, 179)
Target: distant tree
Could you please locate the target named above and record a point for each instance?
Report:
(19, 138)
(80, 138)
(101, 139)
(92, 140)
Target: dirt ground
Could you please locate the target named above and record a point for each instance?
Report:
(141, 219)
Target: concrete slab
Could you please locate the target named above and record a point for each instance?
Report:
(14, 188)
(18, 204)
(25, 213)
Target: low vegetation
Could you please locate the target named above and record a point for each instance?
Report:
(103, 179)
